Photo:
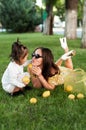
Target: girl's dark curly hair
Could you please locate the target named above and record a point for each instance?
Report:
(18, 51)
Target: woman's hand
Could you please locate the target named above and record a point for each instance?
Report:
(36, 71)
(39, 79)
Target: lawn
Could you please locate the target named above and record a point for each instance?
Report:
(56, 112)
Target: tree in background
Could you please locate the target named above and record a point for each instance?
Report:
(69, 14)
(23, 16)
(18, 15)
(71, 18)
(49, 20)
(83, 43)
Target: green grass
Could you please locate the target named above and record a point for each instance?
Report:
(56, 112)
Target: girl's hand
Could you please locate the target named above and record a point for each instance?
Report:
(26, 80)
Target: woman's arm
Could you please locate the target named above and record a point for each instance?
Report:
(38, 80)
(45, 83)
(35, 81)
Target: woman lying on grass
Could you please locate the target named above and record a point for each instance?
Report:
(44, 72)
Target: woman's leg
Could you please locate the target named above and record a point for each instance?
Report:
(68, 61)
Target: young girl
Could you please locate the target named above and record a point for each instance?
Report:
(12, 78)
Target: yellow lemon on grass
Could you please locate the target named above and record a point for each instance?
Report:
(80, 95)
(71, 96)
(30, 65)
(33, 100)
(25, 79)
(46, 94)
(69, 88)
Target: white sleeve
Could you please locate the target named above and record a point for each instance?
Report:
(27, 62)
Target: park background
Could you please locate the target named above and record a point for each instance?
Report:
(56, 112)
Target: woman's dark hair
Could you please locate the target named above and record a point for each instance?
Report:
(48, 62)
(18, 51)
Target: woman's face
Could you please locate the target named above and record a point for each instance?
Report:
(37, 58)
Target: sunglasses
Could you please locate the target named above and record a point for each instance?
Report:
(36, 56)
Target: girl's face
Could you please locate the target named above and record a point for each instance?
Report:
(37, 58)
(23, 60)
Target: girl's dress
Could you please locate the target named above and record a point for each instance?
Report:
(13, 75)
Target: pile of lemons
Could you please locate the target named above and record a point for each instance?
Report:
(69, 88)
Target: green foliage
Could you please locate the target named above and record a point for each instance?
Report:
(56, 112)
(18, 15)
(49, 5)
(60, 6)
(51, 2)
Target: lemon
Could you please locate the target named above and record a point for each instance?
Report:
(46, 94)
(30, 65)
(69, 88)
(33, 100)
(80, 95)
(71, 96)
(25, 79)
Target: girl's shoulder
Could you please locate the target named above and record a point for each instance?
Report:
(13, 64)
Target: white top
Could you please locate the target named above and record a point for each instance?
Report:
(12, 73)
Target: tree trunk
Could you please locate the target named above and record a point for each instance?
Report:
(48, 23)
(71, 19)
(83, 43)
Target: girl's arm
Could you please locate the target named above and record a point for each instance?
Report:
(27, 62)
